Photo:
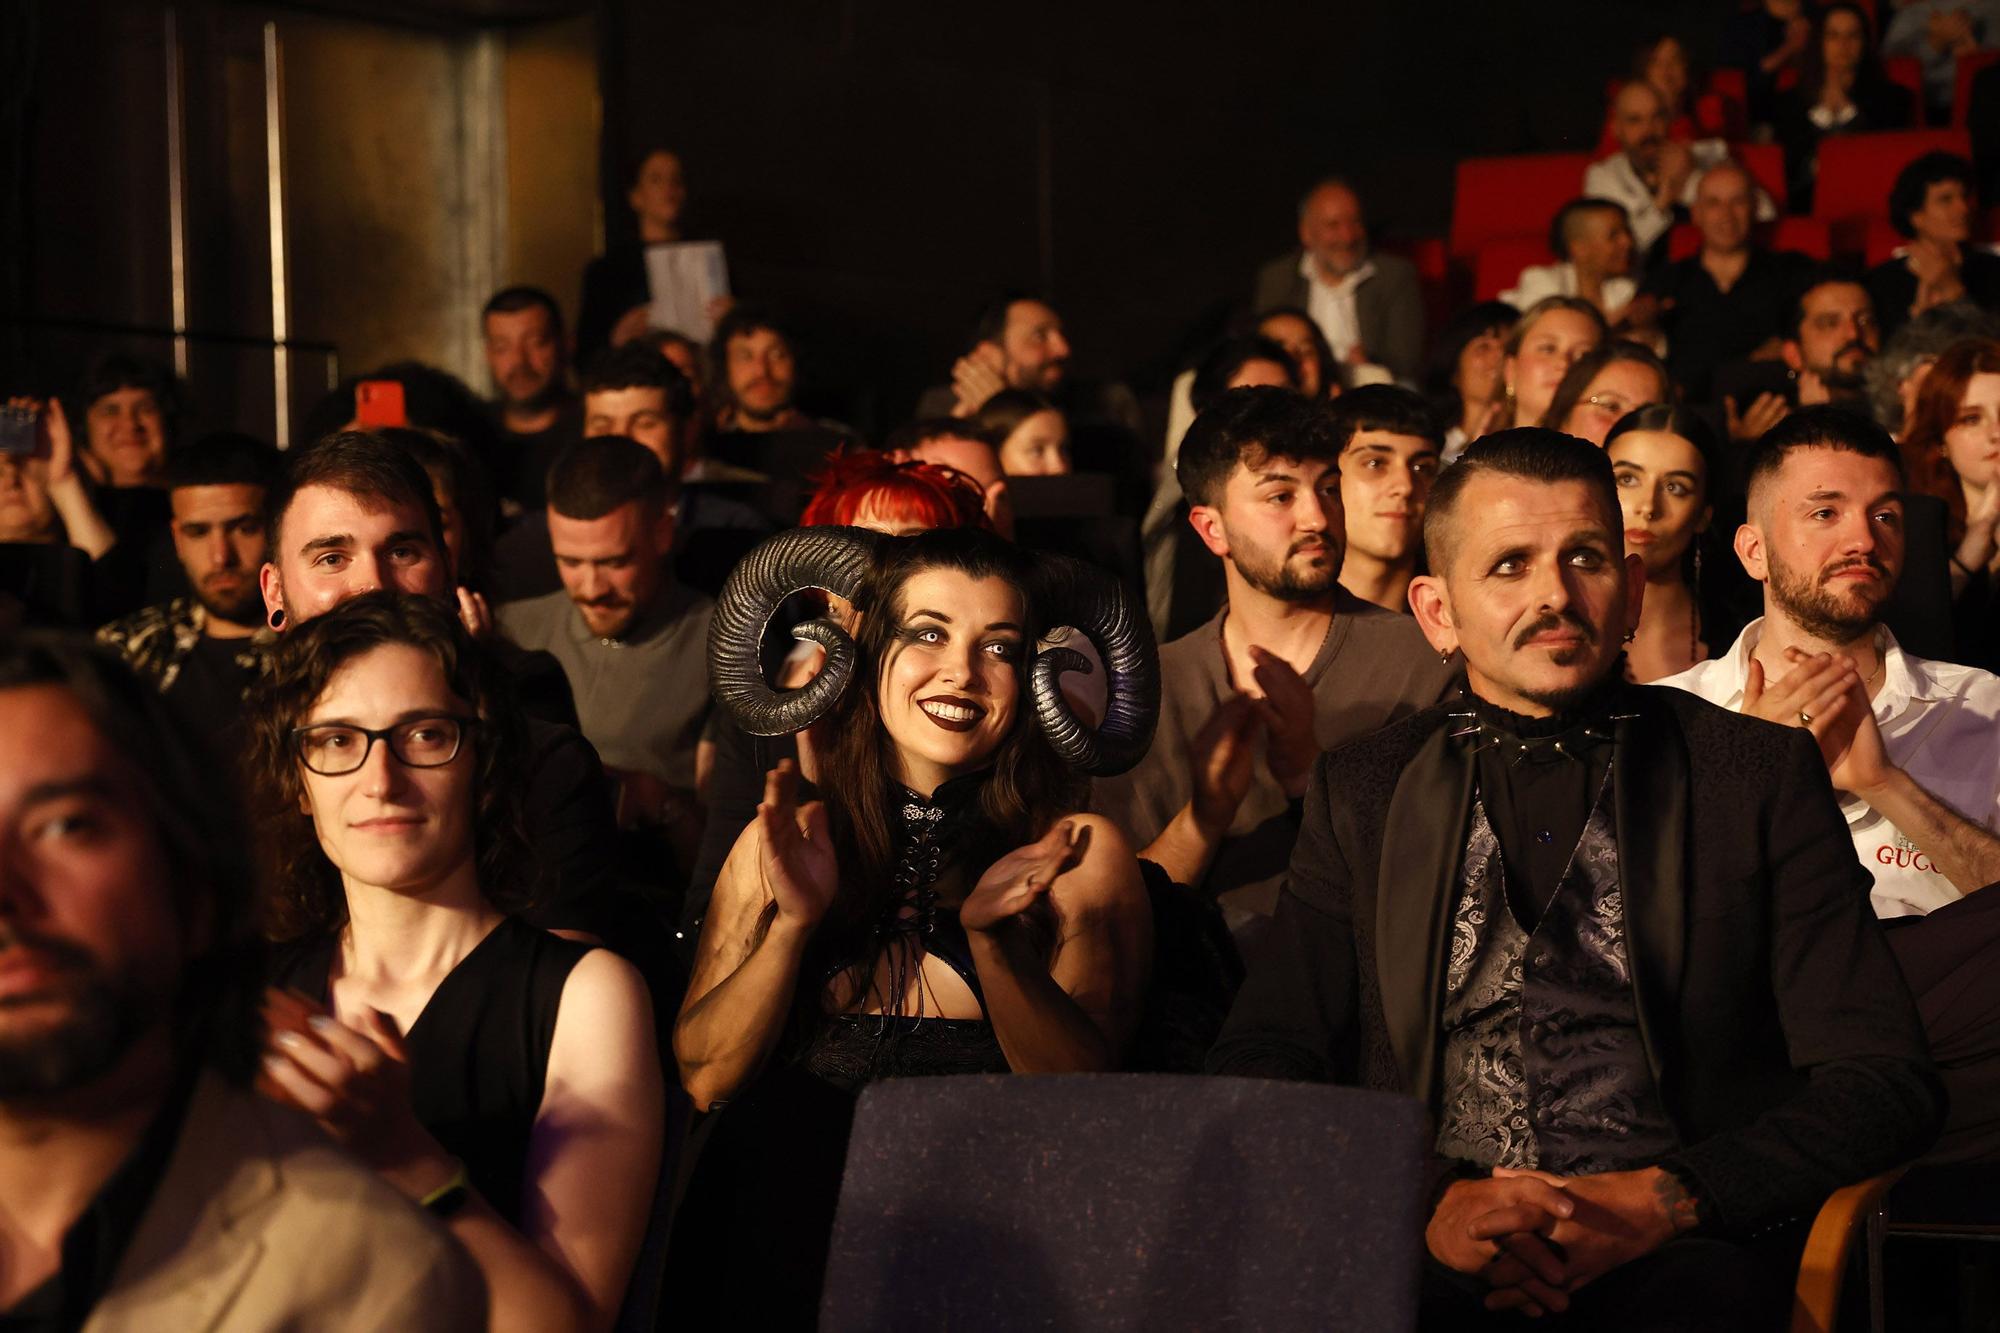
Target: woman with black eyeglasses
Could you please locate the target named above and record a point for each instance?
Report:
(503, 1077)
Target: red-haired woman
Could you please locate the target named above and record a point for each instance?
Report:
(1951, 449)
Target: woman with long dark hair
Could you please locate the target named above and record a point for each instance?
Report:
(1603, 385)
(1841, 90)
(505, 1078)
(944, 908)
(1660, 457)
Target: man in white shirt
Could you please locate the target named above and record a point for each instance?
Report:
(1369, 306)
(1651, 175)
(1913, 746)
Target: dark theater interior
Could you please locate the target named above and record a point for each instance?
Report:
(862, 665)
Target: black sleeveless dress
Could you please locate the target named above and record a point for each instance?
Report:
(750, 1240)
(479, 1052)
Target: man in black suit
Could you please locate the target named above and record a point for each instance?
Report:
(1368, 305)
(1617, 941)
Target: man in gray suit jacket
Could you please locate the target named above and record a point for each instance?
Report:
(1368, 305)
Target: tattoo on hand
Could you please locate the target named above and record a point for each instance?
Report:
(1673, 1197)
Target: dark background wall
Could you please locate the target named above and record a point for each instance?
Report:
(879, 168)
(882, 167)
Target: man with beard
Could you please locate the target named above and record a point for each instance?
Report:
(758, 374)
(1609, 934)
(1293, 663)
(1913, 746)
(142, 1183)
(633, 641)
(1830, 339)
(1652, 176)
(196, 650)
(538, 414)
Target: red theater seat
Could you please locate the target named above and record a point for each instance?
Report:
(1908, 72)
(1765, 162)
(1857, 170)
(1501, 260)
(1511, 196)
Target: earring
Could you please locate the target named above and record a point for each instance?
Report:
(1444, 656)
(278, 618)
(1630, 635)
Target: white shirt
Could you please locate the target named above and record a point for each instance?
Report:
(1616, 179)
(1541, 280)
(1331, 304)
(1940, 723)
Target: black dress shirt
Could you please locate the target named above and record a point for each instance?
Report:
(1537, 796)
(1707, 327)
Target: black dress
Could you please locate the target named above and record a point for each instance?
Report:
(750, 1241)
(479, 1052)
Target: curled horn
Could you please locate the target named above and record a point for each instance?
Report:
(1096, 605)
(836, 559)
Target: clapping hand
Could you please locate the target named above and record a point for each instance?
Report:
(1221, 762)
(1765, 411)
(1287, 707)
(795, 855)
(976, 377)
(354, 1081)
(1021, 878)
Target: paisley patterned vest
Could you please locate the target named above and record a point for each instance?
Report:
(1543, 1062)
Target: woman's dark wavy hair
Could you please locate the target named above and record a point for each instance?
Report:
(1030, 787)
(216, 1013)
(302, 894)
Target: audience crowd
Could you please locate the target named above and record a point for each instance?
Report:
(489, 846)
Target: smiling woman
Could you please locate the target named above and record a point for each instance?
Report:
(944, 909)
(502, 1077)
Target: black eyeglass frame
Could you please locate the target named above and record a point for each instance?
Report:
(386, 735)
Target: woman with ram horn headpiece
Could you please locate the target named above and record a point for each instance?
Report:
(944, 908)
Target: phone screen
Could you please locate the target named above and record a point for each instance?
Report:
(380, 403)
(17, 430)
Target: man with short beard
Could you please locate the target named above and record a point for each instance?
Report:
(1830, 339)
(538, 415)
(1291, 665)
(1608, 934)
(196, 650)
(142, 1183)
(1913, 746)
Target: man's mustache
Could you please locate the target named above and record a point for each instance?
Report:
(1867, 562)
(1555, 621)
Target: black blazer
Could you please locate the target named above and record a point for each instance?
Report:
(1780, 1033)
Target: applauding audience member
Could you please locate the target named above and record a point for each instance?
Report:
(942, 909)
(1472, 916)
(1909, 743)
(1831, 337)
(504, 1077)
(1933, 204)
(1951, 450)
(1293, 663)
(145, 1186)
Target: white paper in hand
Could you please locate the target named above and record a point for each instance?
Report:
(684, 277)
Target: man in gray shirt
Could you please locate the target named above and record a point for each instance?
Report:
(1293, 664)
(633, 643)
